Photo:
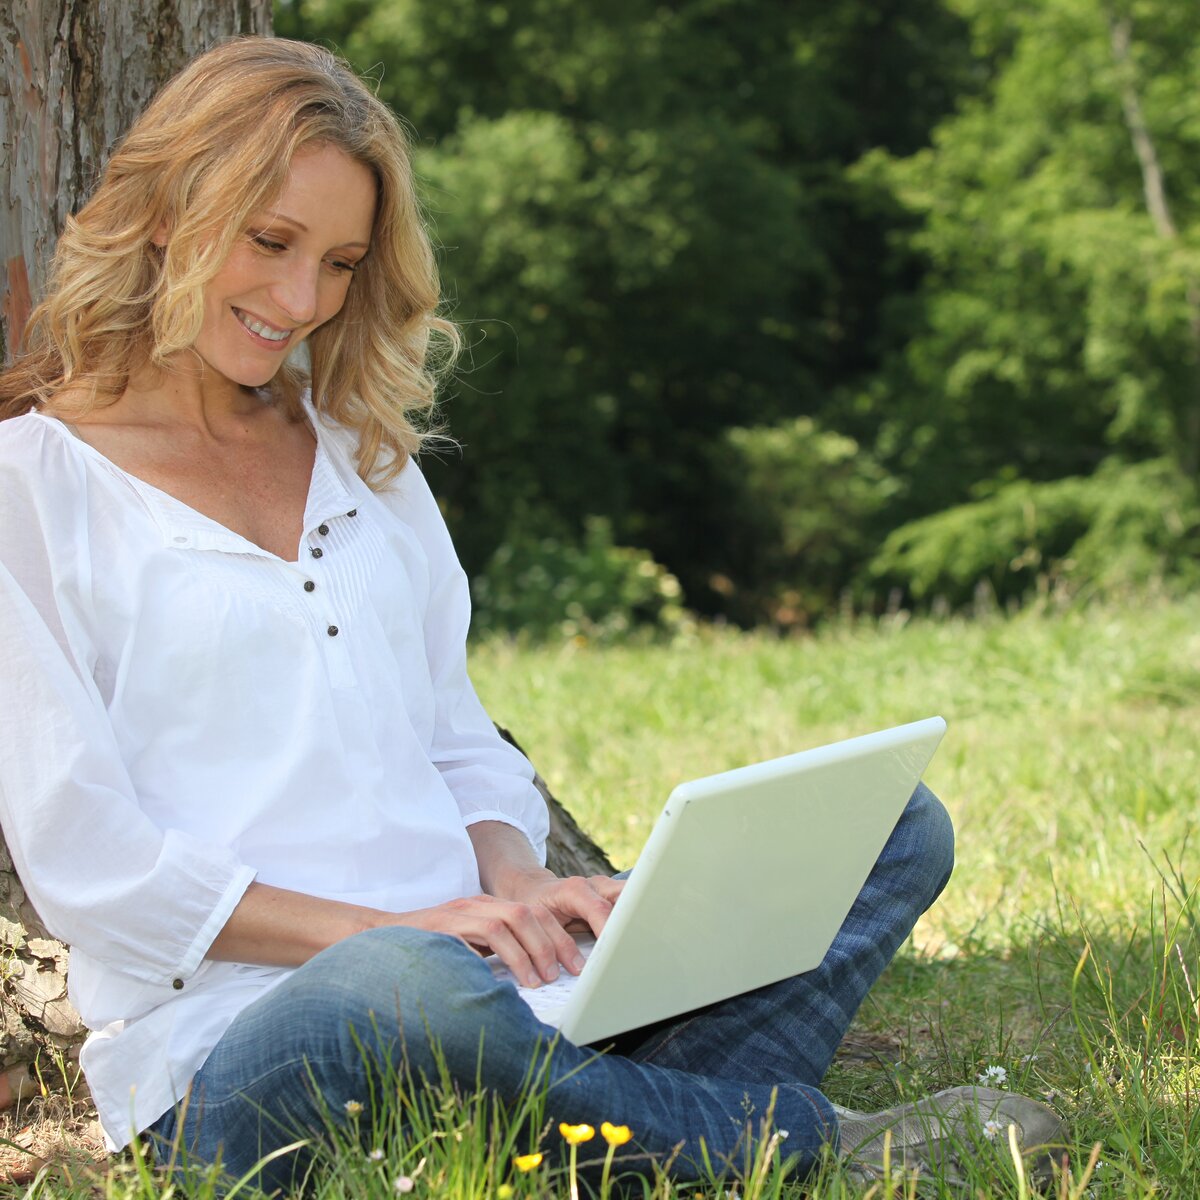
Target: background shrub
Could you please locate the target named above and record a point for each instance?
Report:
(593, 588)
(805, 502)
(1127, 525)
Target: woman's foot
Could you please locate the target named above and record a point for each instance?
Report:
(941, 1132)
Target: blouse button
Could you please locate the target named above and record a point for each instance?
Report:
(316, 551)
(177, 984)
(309, 586)
(322, 529)
(352, 513)
(332, 631)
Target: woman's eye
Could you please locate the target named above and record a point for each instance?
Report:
(339, 264)
(267, 243)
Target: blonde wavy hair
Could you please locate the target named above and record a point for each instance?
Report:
(213, 148)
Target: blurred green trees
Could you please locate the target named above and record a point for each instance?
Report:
(1056, 334)
(1058, 318)
(759, 285)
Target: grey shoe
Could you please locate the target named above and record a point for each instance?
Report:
(942, 1131)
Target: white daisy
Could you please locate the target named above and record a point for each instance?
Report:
(993, 1076)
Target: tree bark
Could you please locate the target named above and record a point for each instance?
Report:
(73, 75)
(569, 851)
(1120, 34)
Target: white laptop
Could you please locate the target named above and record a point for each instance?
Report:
(744, 880)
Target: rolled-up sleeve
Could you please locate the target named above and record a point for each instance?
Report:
(489, 779)
(101, 875)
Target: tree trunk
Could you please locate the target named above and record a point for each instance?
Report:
(569, 851)
(1187, 414)
(73, 75)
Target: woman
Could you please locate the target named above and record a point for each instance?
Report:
(249, 781)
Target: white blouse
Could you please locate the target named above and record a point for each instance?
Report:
(185, 712)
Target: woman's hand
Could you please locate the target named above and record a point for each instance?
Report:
(528, 935)
(510, 873)
(579, 903)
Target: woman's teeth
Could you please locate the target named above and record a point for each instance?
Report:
(263, 331)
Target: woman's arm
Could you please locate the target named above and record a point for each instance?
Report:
(522, 922)
(103, 877)
(275, 927)
(490, 779)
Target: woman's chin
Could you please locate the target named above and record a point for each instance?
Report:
(249, 376)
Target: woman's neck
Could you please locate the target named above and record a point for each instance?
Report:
(188, 395)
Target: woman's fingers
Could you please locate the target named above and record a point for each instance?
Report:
(607, 886)
(497, 937)
(526, 937)
(583, 902)
(544, 939)
(565, 949)
(529, 937)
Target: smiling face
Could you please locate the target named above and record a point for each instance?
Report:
(291, 270)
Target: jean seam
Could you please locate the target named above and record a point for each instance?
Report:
(241, 1092)
(822, 1120)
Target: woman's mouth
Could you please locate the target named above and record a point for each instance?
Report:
(262, 333)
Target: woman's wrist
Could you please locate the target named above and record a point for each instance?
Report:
(508, 864)
(516, 883)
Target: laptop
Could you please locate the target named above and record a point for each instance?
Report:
(745, 880)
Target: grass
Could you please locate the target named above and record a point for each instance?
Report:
(1064, 949)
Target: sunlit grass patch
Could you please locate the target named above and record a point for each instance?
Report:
(1070, 768)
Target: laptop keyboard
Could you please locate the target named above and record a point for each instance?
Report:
(549, 1000)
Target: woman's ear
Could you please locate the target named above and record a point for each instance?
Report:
(159, 236)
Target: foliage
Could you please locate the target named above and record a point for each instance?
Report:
(592, 590)
(805, 499)
(1124, 527)
(931, 229)
(570, 247)
(647, 231)
(1056, 319)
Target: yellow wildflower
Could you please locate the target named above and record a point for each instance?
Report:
(528, 1162)
(353, 1108)
(574, 1134)
(615, 1135)
(505, 1191)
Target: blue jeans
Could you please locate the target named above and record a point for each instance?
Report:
(313, 1043)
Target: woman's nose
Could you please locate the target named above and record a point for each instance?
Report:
(296, 291)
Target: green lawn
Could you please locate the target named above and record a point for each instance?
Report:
(1071, 770)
